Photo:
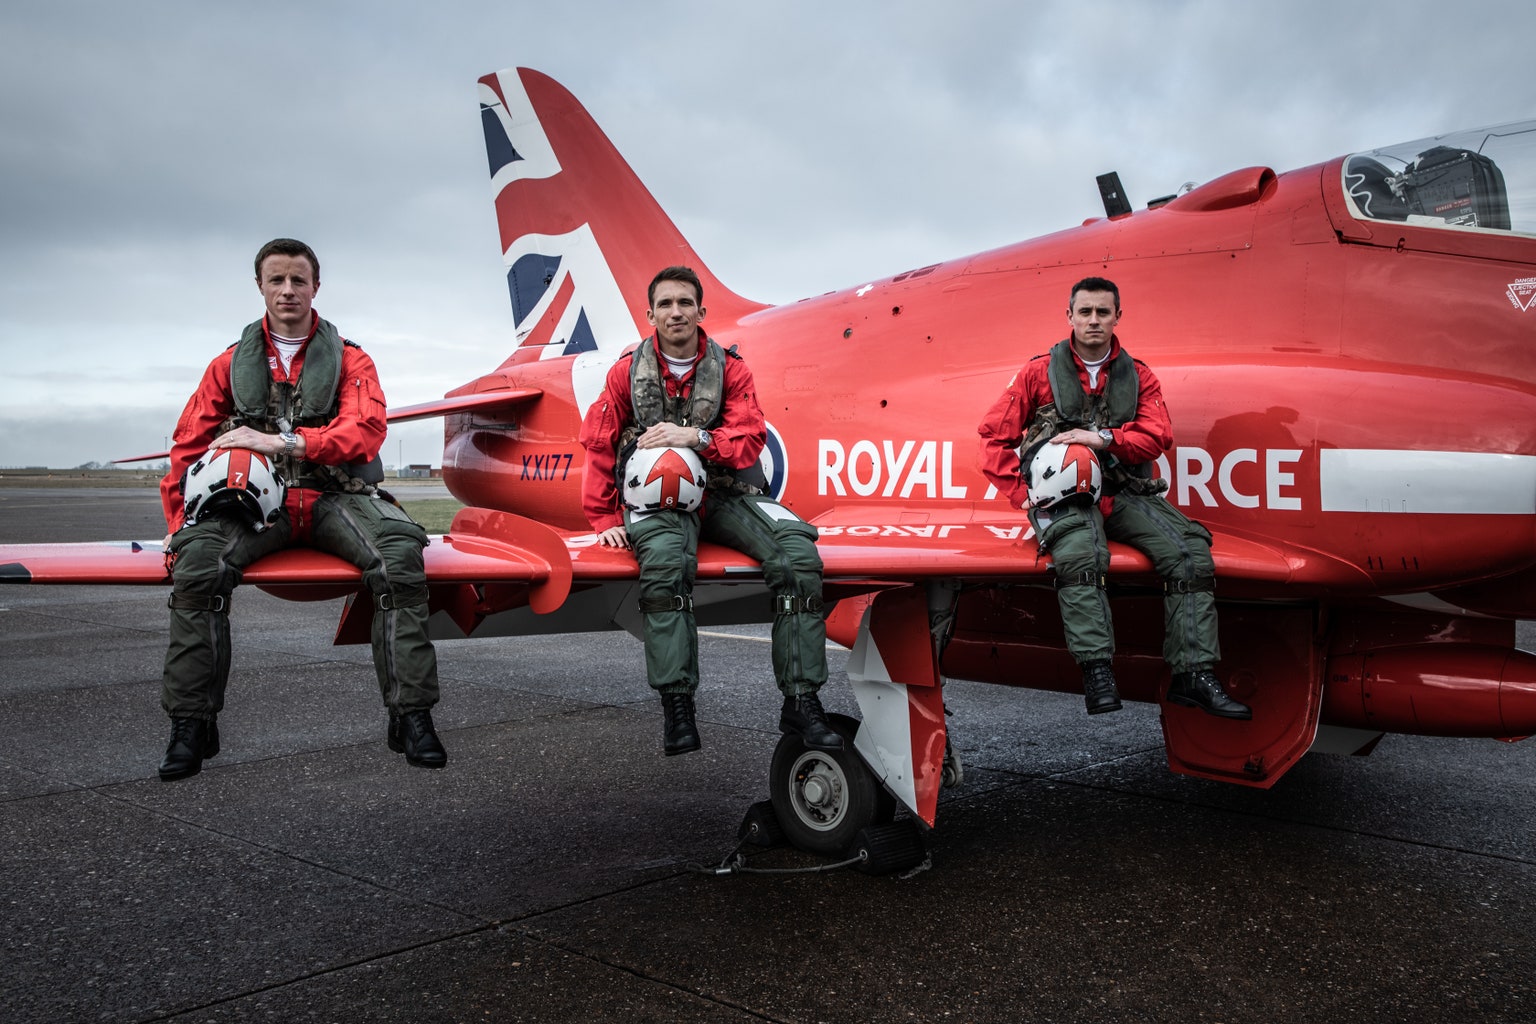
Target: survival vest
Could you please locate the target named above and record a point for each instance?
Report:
(273, 406)
(1072, 407)
(700, 407)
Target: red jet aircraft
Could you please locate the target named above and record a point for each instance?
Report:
(1345, 349)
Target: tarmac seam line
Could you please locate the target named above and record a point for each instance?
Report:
(298, 979)
(1260, 816)
(282, 854)
(641, 975)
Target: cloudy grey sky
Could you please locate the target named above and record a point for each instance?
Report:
(149, 148)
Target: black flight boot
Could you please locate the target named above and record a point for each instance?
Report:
(192, 740)
(412, 733)
(1099, 691)
(679, 734)
(804, 715)
(1201, 689)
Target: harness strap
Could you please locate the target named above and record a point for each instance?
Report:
(404, 599)
(793, 604)
(1198, 585)
(1086, 578)
(218, 603)
(675, 603)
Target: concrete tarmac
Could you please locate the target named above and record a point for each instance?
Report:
(310, 875)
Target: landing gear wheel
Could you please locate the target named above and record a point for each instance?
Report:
(952, 774)
(824, 797)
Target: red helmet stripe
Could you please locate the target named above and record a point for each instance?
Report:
(239, 468)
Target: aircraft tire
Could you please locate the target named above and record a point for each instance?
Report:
(823, 798)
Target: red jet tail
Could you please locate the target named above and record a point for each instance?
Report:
(581, 237)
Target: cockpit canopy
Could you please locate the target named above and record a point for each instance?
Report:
(1480, 180)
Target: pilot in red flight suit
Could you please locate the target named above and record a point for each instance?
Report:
(1088, 390)
(679, 389)
(294, 390)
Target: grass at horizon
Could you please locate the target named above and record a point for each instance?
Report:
(434, 514)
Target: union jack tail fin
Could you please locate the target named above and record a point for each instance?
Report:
(581, 237)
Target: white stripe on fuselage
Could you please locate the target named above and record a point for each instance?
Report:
(1433, 483)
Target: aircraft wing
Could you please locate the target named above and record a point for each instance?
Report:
(493, 547)
(893, 544)
(484, 401)
(900, 542)
(492, 569)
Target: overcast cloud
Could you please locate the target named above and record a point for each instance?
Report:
(149, 148)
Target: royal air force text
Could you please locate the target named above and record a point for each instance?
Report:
(1248, 478)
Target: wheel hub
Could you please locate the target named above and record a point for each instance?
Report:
(819, 793)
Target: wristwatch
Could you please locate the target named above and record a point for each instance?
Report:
(704, 440)
(1108, 436)
(289, 440)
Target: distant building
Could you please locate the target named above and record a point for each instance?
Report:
(419, 470)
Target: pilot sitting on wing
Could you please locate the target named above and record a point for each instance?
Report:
(1089, 391)
(680, 390)
(293, 400)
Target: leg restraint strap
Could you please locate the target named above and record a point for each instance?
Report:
(218, 603)
(675, 603)
(405, 599)
(1086, 578)
(792, 604)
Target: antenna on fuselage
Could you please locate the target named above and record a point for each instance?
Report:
(1113, 194)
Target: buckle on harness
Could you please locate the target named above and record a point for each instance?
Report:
(388, 602)
(1198, 585)
(217, 603)
(791, 604)
(675, 603)
(1086, 578)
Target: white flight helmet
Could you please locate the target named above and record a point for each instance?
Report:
(236, 480)
(662, 479)
(1064, 474)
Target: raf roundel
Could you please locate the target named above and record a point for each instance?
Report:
(663, 480)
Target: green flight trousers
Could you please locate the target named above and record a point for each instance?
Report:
(372, 534)
(1077, 539)
(666, 545)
